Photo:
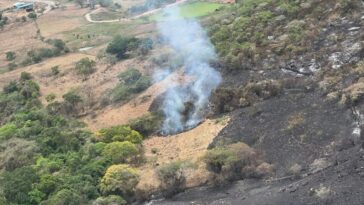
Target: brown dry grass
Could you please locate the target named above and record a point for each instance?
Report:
(41, 74)
(188, 146)
(137, 107)
(61, 20)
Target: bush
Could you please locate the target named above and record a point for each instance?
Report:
(119, 133)
(55, 70)
(10, 56)
(121, 152)
(140, 85)
(85, 66)
(231, 162)
(110, 200)
(72, 97)
(119, 46)
(32, 15)
(146, 124)
(130, 76)
(50, 97)
(172, 177)
(24, 76)
(120, 180)
(12, 66)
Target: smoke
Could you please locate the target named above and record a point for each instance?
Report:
(184, 105)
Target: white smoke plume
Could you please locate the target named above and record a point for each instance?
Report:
(188, 39)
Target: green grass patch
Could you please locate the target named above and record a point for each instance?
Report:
(192, 10)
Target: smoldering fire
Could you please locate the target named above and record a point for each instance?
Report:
(184, 105)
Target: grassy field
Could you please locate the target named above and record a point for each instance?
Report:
(105, 16)
(193, 10)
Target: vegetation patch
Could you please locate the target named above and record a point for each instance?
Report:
(192, 10)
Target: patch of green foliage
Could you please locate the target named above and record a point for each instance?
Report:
(122, 46)
(85, 66)
(131, 82)
(37, 55)
(172, 176)
(192, 10)
(49, 158)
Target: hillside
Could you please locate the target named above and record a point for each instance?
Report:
(182, 102)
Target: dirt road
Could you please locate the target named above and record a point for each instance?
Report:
(147, 13)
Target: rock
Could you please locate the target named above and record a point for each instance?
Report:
(306, 5)
(295, 169)
(319, 165)
(283, 37)
(280, 18)
(322, 192)
(353, 28)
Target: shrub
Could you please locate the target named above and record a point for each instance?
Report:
(72, 97)
(231, 162)
(50, 97)
(119, 133)
(140, 85)
(130, 76)
(10, 56)
(55, 70)
(146, 124)
(121, 152)
(119, 179)
(24, 76)
(172, 177)
(12, 66)
(85, 66)
(120, 93)
(119, 46)
(110, 200)
(32, 15)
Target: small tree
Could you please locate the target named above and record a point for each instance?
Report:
(72, 98)
(85, 66)
(10, 56)
(119, 46)
(120, 180)
(120, 152)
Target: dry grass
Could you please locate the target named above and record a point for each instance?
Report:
(61, 20)
(189, 146)
(295, 120)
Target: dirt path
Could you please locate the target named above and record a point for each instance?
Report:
(147, 13)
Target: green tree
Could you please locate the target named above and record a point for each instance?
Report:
(85, 66)
(18, 183)
(120, 152)
(119, 133)
(72, 98)
(119, 46)
(119, 179)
